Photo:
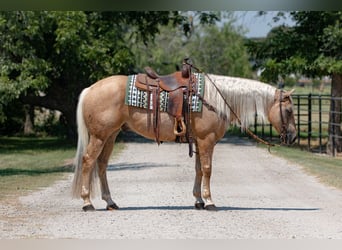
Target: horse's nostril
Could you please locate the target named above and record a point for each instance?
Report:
(293, 139)
(290, 138)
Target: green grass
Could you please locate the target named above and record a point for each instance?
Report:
(28, 164)
(307, 89)
(327, 169)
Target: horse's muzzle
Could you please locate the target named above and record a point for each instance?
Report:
(292, 138)
(289, 136)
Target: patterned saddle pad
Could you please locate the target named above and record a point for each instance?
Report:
(138, 98)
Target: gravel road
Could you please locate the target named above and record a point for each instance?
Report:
(258, 196)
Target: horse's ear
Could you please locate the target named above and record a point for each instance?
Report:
(288, 93)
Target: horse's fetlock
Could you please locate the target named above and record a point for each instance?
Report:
(206, 194)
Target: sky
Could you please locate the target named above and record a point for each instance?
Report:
(258, 26)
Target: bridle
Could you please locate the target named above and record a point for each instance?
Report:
(283, 132)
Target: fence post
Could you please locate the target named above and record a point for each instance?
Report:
(298, 119)
(320, 122)
(309, 121)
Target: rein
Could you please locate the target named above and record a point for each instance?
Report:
(283, 125)
(249, 132)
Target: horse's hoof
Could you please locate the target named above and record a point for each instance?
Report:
(88, 208)
(199, 206)
(210, 207)
(112, 207)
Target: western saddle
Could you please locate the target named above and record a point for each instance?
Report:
(180, 86)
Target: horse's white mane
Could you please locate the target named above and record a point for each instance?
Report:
(245, 96)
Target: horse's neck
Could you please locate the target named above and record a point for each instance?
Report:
(245, 97)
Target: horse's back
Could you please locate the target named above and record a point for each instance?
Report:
(107, 89)
(109, 84)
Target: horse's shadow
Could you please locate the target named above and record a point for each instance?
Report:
(138, 166)
(221, 208)
(237, 139)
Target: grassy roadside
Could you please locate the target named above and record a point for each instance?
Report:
(327, 169)
(28, 164)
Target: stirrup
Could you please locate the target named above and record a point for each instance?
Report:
(182, 127)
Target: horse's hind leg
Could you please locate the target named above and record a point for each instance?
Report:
(102, 164)
(94, 149)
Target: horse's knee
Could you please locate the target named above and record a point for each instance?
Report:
(206, 169)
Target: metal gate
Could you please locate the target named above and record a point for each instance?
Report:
(312, 119)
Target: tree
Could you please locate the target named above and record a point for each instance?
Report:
(311, 47)
(48, 57)
(165, 53)
(217, 49)
(221, 50)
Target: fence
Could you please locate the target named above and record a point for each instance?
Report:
(312, 120)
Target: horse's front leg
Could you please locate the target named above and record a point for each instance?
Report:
(205, 153)
(103, 163)
(199, 203)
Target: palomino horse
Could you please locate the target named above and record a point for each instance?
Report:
(102, 113)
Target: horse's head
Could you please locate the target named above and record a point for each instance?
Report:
(282, 118)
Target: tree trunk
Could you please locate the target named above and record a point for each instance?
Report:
(29, 116)
(61, 99)
(335, 141)
(68, 118)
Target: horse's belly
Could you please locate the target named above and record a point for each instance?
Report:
(141, 122)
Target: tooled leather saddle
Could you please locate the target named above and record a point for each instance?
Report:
(180, 86)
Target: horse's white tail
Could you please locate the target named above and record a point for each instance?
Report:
(83, 140)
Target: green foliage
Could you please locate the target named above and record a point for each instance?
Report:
(328, 64)
(275, 68)
(165, 53)
(214, 49)
(220, 50)
(48, 57)
(311, 47)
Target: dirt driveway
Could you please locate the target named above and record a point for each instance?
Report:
(258, 196)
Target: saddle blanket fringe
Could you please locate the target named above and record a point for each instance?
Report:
(138, 98)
